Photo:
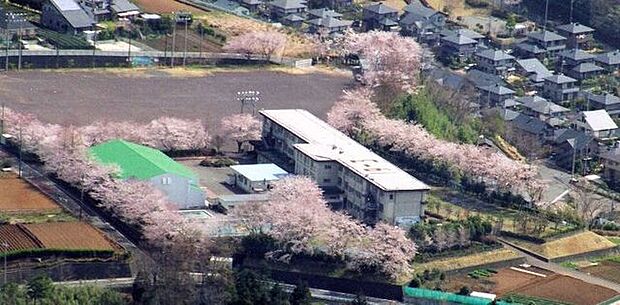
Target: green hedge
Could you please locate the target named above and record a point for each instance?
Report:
(69, 253)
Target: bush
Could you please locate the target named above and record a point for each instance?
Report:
(465, 291)
(477, 3)
(218, 162)
(529, 238)
(258, 244)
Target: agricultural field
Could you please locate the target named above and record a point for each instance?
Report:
(608, 270)
(165, 6)
(17, 238)
(194, 42)
(19, 197)
(455, 263)
(555, 288)
(583, 242)
(567, 289)
(70, 236)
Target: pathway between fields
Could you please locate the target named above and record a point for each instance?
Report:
(565, 271)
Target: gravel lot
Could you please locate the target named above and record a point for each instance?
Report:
(82, 97)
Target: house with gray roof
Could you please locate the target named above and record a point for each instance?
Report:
(422, 22)
(379, 17)
(495, 95)
(252, 5)
(541, 44)
(279, 9)
(542, 109)
(560, 88)
(571, 144)
(533, 70)
(13, 22)
(292, 20)
(329, 25)
(607, 102)
(323, 13)
(598, 124)
(465, 32)
(456, 47)
(611, 165)
(494, 61)
(65, 16)
(577, 35)
(482, 79)
(123, 9)
(585, 71)
(610, 61)
(531, 125)
(577, 64)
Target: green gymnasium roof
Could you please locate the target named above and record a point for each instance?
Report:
(138, 161)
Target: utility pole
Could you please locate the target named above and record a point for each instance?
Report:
(571, 11)
(94, 39)
(174, 37)
(19, 46)
(129, 50)
(21, 142)
(8, 43)
(202, 39)
(185, 45)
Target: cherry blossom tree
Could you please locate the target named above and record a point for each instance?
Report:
(393, 61)
(241, 128)
(298, 217)
(265, 43)
(356, 112)
(171, 134)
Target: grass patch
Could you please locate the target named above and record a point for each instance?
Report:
(615, 240)
(40, 217)
(526, 299)
(569, 265)
(468, 261)
(583, 242)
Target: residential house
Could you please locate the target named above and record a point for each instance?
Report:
(379, 17)
(256, 178)
(97, 9)
(329, 25)
(482, 79)
(252, 5)
(292, 20)
(607, 102)
(577, 64)
(560, 88)
(457, 48)
(137, 162)
(13, 23)
(352, 177)
(123, 9)
(546, 111)
(534, 70)
(231, 6)
(610, 61)
(279, 9)
(466, 32)
(495, 95)
(494, 62)
(577, 35)
(65, 16)
(573, 147)
(322, 13)
(541, 44)
(611, 165)
(528, 124)
(598, 124)
(422, 22)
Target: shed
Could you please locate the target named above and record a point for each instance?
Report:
(256, 178)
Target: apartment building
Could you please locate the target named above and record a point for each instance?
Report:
(352, 177)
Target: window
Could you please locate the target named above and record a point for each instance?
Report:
(327, 180)
(166, 180)
(391, 196)
(328, 166)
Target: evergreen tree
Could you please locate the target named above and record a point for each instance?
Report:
(277, 296)
(39, 288)
(301, 295)
(250, 289)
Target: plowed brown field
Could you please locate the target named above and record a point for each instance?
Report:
(567, 289)
(165, 6)
(16, 239)
(70, 236)
(18, 196)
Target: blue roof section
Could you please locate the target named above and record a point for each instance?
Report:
(447, 297)
(260, 172)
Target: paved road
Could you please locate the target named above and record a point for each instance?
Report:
(566, 271)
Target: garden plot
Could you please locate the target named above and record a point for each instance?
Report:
(607, 269)
(456, 263)
(18, 196)
(567, 289)
(70, 236)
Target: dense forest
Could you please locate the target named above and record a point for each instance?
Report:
(603, 15)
